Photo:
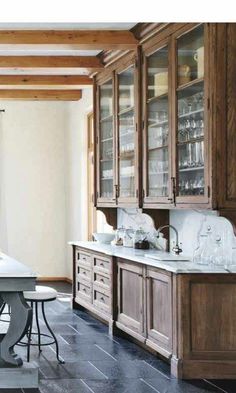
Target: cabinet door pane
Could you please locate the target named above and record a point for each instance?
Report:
(126, 133)
(157, 123)
(190, 101)
(191, 56)
(106, 140)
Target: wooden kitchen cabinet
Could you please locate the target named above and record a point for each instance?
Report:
(159, 311)
(117, 134)
(176, 114)
(174, 101)
(130, 298)
(92, 283)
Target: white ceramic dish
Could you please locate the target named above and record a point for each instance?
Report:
(103, 238)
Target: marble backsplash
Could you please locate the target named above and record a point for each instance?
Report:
(190, 225)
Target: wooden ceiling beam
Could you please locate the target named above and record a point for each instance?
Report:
(42, 80)
(89, 62)
(41, 95)
(83, 39)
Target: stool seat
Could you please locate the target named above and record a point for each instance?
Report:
(41, 293)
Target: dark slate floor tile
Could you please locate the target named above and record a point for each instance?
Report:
(128, 369)
(77, 340)
(131, 351)
(227, 385)
(69, 370)
(31, 391)
(63, 386)
(10, 391)
(83, 352)
(120, 386)
(179, 386)
(162, 366)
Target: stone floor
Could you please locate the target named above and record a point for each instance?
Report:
(97, 363)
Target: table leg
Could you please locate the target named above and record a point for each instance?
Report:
(21, 316)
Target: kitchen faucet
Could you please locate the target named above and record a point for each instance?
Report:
(177, 250)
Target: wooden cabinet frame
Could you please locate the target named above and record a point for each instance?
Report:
(111, 73)
(173, 200)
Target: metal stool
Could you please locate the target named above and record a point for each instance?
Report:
(41, 295)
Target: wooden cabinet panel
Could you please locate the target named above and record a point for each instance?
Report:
(205, 299)
(159, 311)
(131, 295)
(83, 290)
(226, 115)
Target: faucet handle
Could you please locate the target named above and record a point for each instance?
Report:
(177, 250)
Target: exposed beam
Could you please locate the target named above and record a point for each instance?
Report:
(50, 62)
(41, 95)
(83, 39)
(46, 80)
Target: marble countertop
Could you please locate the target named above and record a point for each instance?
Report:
(139, 256)
(11, 268)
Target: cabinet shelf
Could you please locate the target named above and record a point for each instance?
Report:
(194, 168)
(188, 114)
(106, 118)
(195, 140)
(107, 139)
(156, 98)
(189, 84)
(158, 148)
(157, 123)
(126, 110)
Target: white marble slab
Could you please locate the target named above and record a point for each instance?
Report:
(139, 257)
(10, 267)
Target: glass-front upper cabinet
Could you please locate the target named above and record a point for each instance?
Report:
(106, 170)
(156, 108)
(191, 124)
(126, 134)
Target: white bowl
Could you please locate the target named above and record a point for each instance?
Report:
(103, 238)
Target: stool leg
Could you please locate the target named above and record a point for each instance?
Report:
(60, 360)
(37, 324)
(29, 334)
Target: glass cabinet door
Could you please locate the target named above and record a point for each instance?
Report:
(106, 139)
(190, 114)
(157, 125)
(126, 133)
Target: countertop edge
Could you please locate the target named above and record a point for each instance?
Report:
(185, 268)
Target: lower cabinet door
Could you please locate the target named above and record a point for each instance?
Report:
(130, 296)
(159, 312)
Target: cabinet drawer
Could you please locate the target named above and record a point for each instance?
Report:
(100, 279)
(83, 273)
(101, 300)
(84, 291)
(102, 263)
(83, 258)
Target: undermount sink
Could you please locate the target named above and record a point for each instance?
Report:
(167, 256)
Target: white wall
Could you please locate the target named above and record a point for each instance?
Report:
(76, 171)
(32, 181)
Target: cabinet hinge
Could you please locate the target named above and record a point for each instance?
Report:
(208, 191)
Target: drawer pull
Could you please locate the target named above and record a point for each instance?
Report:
(102, 264)
(84, 290)
(102, 279)
(84, 273)
(102, 299)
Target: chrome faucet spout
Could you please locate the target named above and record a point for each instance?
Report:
(177, 250)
